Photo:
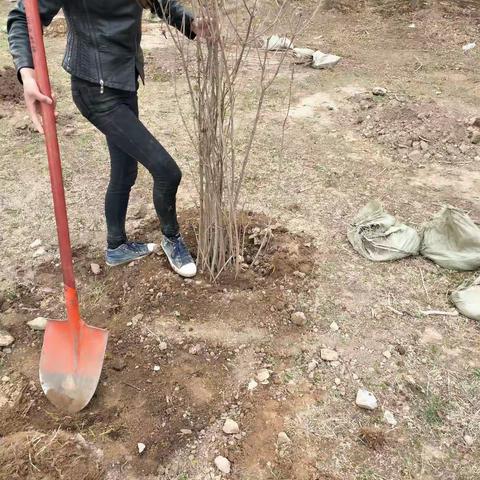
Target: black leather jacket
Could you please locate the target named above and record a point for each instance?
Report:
(103, 43)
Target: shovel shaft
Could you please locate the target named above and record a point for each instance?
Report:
(54, 162)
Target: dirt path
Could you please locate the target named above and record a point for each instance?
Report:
(343, 147)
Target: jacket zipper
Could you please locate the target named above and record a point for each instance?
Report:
(94, 39)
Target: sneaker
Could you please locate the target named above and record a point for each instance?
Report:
(179, 257)
(128, 252)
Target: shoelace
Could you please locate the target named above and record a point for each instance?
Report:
(180, 250)
(136, 247)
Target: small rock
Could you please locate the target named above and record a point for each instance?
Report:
(193, 350)
(5, 338)
(389, 418)
(119, 364)
(156, 368)
(141, 447)
(39, 323)
(379, 91)
(324, 60)
(162, 346)
(39, 252)
(299, 319)
(431, 336)
(311, 366)
(387, 354)
(230, 427)
(5, 379)
(337, 381)
(469, 46)
(36, 243)
(95, 267)
(252, 385)
(263, 375)
(69, 130)
(334, 326)
(136, 319)
(468, 440)
(283, 439)
(328, 355)
(415, 156)
(223, 464)
(476, 138)
(366, 400)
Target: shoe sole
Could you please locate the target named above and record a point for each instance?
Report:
(176, 269)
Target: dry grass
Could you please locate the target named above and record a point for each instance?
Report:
(36, 455)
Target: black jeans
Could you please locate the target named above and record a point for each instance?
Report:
(115, 114)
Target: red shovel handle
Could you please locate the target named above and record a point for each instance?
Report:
(53, 153)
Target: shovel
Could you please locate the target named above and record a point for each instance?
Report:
(73, 352)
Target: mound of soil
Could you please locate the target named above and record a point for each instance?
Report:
(416, 133)
(35, 455)
(171, 363)
(11, 90)
(383, 7)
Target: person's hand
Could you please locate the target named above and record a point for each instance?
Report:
(33, 97)
(206, 28)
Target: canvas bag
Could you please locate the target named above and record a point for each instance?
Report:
(452, 240)
(378, 236)
(467, 299)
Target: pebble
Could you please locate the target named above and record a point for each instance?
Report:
(136, 319)
(252, 385)
(36, 243)
(39, 323)
(387, 354)
(5, 338)
(162, 346)
(156, 368)
(334, 326)
(283, 439)
(119, 364)
(95, 267)
(476, 138)
(328, 355)
(389, 418)
(468, 440)
(5, 379)
(431, 336)
(263, 375)
(299, 319)
(366, 400)
(223, 464)
(141, 447)
(311, 366)
(379, 91)
(230, 427)
(39, 252)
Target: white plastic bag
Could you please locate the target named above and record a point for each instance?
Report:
(452, 240)
(467, 299)
(378, 236)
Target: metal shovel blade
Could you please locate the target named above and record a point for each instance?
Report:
(71, 363)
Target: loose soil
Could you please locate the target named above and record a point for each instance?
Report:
(11, 90)
(343, 146)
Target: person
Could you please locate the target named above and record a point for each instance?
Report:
(104, 58)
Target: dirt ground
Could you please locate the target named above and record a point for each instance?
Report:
(182, 354)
